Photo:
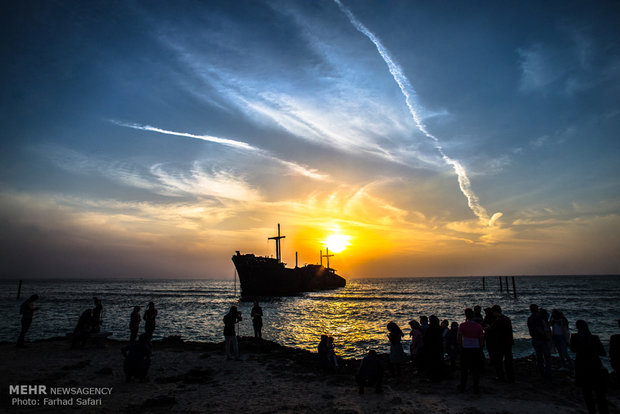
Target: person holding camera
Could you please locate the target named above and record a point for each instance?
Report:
(230, 320)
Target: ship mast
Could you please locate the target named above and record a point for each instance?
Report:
(327, 255)
(277, 239)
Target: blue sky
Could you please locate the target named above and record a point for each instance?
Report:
(441, 138)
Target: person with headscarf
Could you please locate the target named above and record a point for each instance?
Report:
(27, 311)
(590, 374)
(397, 355)
(230, 336)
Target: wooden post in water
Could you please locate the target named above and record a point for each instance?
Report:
(501, 287)
(484, 287)
(507, 287)
(514, 288)
(19, 289)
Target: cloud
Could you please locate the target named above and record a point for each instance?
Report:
(538, 69)
(198, 182)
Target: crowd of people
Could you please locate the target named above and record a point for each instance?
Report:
(435, 347)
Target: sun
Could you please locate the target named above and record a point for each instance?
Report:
(337, 243)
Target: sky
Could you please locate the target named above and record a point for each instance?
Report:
(445, 138)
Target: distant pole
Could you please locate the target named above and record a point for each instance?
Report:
(501, 287)
(321, 254)
(19, 289)
(514, 287)
(296, 262)
(484, 287)
(507, 287)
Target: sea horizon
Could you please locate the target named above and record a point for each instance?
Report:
(355, 315)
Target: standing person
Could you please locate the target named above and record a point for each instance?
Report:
(150, 317)
(445, 328)
(423, 323)
(502, 329)
(540, 342)
(590, 374)
(323, 351)
(452, 345)
(97, 312)
(134, 324)
(417, 344)
(257, 320)
(478, 314)
(560, 335)
(470, 337)
(433, 346)
(230, 320)
(491, 339)
(27, 311)
(397, 355)
(614, 352)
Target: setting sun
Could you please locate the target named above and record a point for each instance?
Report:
(337, 243)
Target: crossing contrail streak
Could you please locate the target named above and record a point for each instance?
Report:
(410, 98)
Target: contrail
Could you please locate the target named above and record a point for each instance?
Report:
(223, 141)
(292, 166)
(410, 98)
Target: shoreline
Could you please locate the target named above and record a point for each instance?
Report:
(196, 377)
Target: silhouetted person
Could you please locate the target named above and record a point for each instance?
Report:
(423, 323)
(257, 320)
(323, 351)
(501, 330)
(470, 337)
(540, 342)
(491, 339)
(370, 372)
(97, 312)
(397, 356)
(560, 335)
(27, 311)
(83, 328)
(478, 314)
(230, 337)
(150, 317)
(445, 328)
(452, 345)
(331, 352)
(137, 358)
(589, 371)
(614, 352)
(417, 344)
(134, 324)
(433, 349)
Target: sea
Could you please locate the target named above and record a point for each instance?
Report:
(356, 315)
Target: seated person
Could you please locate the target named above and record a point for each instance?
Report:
(370, 372)
(137, 358)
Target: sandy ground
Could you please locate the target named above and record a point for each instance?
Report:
(196, 377)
